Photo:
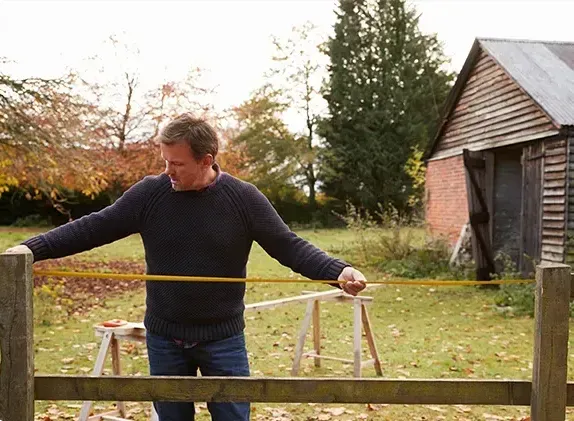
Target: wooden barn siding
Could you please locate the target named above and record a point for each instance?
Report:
(570, 218)
(492, 111)
(554, 200)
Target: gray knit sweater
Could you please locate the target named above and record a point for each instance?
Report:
(196, 233)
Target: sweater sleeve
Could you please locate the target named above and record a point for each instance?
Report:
(269, 230)
(112, 223)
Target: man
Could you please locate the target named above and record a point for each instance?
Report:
(195, 220)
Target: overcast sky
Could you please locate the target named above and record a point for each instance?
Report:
(231, 39)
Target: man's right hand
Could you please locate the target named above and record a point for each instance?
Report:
(18, 249)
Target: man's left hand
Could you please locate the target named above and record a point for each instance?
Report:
(355, 280)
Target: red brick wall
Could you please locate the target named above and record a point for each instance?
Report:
(446, 206)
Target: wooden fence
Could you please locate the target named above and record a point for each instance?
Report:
(548, 393)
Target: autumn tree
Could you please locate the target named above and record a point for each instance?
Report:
(131, 114)
(44, 132)
(267, 145)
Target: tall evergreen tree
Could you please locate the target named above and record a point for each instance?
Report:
(385, 90)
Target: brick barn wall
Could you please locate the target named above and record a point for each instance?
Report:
(446, 206)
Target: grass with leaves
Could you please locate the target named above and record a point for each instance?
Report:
(421, 332)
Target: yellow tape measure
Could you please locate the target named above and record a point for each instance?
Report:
(135, 276)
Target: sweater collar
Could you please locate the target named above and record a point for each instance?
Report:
(214, 185)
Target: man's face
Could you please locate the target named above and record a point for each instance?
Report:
(182, 167)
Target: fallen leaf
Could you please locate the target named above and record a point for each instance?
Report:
(435, 408)
(375, 407)
(335, 411)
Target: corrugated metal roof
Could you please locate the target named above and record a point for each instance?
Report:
(545, 70)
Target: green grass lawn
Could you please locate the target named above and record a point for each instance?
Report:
(421, 332)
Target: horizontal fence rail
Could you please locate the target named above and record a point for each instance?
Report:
(301, 390)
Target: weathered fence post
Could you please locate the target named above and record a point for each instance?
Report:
(549, 371)
(16, 337)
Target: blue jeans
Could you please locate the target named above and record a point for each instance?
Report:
(225, 357)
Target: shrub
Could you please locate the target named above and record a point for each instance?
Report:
(50, 305)
(388, 243)
(34, 220)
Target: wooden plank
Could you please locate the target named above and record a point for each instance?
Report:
(490, 107)
(481, 95)
(480, 80)
(553, 200)
(520, 113)
(466, 109)
(513, 131)
(553, 217)
(481, 60)
(555, 176)
(483, 84)
(510, 138)
(552, 248)
(495, 129)
(483, 63)
(558, 143)
(117, 370)
(552, 257)
(98, 370)
(530, 212)
(484, 80)
(546, 232)
(549, 371)
(554, 152)
(555, 208)
(477, 204)
(554, 192)
(289, 300)
(504, 115)
(552, 184)
(16, 337)
(284, 390)
(552, 241)
(489, 160)
(516, 102)
(554, 224)
(569, 247)
(357, 329)
(558, 157)
(317, 331)
(371, 341)
(456, 250)
(494, 113)
(561, 168)
(448, 152)
(554, 195)
(301, 339)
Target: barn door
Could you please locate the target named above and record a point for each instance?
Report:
(531, 210)
(477, 179)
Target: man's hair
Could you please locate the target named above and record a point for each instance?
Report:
(196, 132)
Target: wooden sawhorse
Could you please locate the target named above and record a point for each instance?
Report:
(361, 318)
(134, 332)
